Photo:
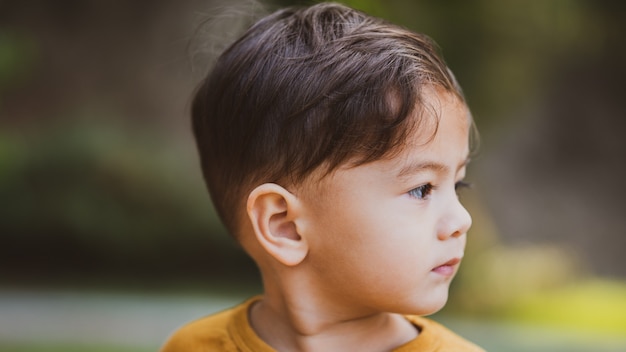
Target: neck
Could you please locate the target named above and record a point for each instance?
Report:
(299, 318)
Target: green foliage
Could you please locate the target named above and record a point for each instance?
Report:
(17, 57)
(372, 7)
(92, 195)
(102, 181)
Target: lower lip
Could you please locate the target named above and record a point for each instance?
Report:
(445, 270)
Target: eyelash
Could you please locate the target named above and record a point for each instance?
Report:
(423, 192)
(461, 185)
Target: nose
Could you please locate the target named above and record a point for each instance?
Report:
(455, 222)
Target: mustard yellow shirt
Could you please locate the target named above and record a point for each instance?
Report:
(230, 331)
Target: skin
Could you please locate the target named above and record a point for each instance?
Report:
(343, 257)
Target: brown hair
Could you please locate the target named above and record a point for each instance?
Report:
(305, 88)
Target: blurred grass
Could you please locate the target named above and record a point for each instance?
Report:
(142, 321)
(582, 315)
(69, 347)
(589, 307)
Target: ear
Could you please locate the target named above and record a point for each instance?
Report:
(273, 211)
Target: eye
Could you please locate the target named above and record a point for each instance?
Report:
(461, 185)
(421, 192)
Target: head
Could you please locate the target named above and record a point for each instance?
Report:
(309, 88)
(334, 142)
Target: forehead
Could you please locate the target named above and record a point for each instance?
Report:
(438, 130)
(439, 115)
(442, 131)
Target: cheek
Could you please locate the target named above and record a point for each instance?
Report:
(370, 240)
(345, 237)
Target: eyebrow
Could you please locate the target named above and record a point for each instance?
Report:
(414, 168)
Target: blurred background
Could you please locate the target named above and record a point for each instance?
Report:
(109, 240)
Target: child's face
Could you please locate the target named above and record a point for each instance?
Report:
(388, 235)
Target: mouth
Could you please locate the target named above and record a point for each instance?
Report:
(448, 268)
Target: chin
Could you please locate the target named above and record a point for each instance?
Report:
(432, 310)
(430, 305)
(435, 309)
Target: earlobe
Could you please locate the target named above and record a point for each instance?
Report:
(273, 212)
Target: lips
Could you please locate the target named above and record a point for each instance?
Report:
(448, 268)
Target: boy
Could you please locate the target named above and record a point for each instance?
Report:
(332, 144)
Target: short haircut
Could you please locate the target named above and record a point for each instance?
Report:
(306, 88)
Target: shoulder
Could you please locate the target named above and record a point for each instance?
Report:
(208, 333)
(440, 337)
